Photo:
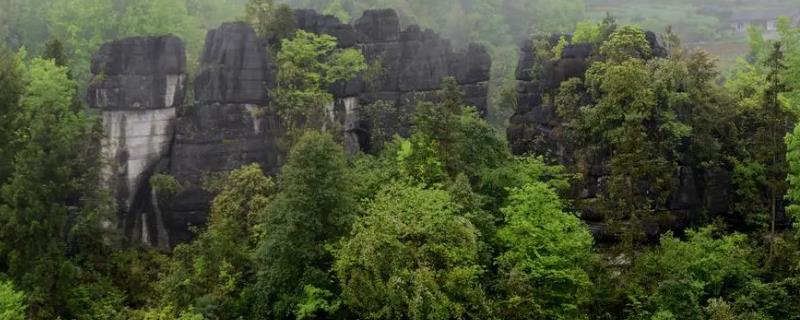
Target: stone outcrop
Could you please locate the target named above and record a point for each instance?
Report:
(535, 128)
(234, 67)
(139, 86)
(414, 62)
(138, 74)
(215, 138)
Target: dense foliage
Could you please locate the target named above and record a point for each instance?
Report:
(440, 223)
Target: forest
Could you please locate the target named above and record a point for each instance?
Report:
(619, 171)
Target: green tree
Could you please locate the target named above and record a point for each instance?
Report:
(53, 212)
(625, 43)
(307, 65)
(778, 122)
(464, 143)
(11, 89)
(213, 274)
(270, 21)
(626, 112)
(412, 256)
(587, 32)
(679, 277)
(541, 269)
(314, 208)
(793, 177)
(439, 121)
(54, 49)
(12, 303)
(760, 173)
(497, 183)
(418, 160)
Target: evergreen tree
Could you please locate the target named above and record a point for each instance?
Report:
(52, 213)
(54, 49)
(314, 208)
(11, 89)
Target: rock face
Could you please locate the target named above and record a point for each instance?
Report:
(214, 138)
(414, 62)
(234, 67)
(226, 128)
(139, 87)
(138, 74)
(535, 128)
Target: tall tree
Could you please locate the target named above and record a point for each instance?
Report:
(546, 249)
(627, 116)
(777, 124)
(11, 89)
(314, 208)
(52, 211)
(412, 257)
(464, 142)
(271, 21)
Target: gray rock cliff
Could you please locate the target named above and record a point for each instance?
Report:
(139, 86)
(414, 62)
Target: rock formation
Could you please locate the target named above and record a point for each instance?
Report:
(138, 86)
(414, 63)
(225, 128)
(535, 128)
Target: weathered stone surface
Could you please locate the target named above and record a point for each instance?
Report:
(228, 126)
(718, 191)
(414, 63)
(234, 67)
(413, 60)
(136, 141)
(137, 84)
(138, 73)
(379, 25)
(215, 138)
